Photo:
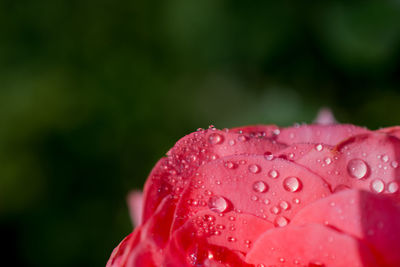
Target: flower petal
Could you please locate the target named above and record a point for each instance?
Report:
(270, 189)
(374, 219)
(309, 245)
(170, 175)
(135, 204)
(325, 134)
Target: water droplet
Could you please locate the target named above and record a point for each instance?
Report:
(393, 187)
(242, 138)
(319, 147)
(254, 198)
(267, 201)
(292, 184)
(385, 158)
(254, 168)
(357, 168)
(296, 200)
(218, 204)
(284, 205)
(230, 165)
(260, 187)
(377, 186)
(268, 155)
(231, 239)
(273, 174)
(275, 210)
(215, 138)
(394, 164)
(232, 142)
(328, 160)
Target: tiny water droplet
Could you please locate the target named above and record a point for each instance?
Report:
(254, 198)
(292, 184)
(394, 164)
(393, 187)
(319, 147)
(232, 142)
(254, 168)
(231, 239)
(284, 205)
(275, 210)
(296, 200)
(230, 165)
(273, 174)
(385, 158)
(242, 138)
(268, 155)
(328, 160)
(357, 168)
(377, 186)
(215, 138)
(218, 204)
(260, 187)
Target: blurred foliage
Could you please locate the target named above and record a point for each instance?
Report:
(92, 93)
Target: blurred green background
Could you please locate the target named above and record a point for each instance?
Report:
(92, 93)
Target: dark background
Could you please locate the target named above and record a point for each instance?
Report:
(93, 92)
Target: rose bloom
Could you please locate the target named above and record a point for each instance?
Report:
(324, 194)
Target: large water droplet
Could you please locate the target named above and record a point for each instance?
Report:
(260, 187)
(273, 174)
(377, 186)
(292, 184)
(393, 187)
(357, 168)
(254, 168)
(218, 204)
(215, 138)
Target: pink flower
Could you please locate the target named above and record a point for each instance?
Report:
(310, 195)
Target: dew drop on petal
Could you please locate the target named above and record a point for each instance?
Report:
(230, 165)
(215, 138)
(284, 205)
(260, 187)
(385, 158)
(292, 184)
(273, 174)
(393, 187)
(254, 168)
(268, 155)
(318, 147)
(281, 221)
(357, 168)
(394, 164)
(328, 160)
(377, 186)
(218, 204)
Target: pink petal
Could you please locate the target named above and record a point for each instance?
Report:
(367, 161)
(135, 204)
(325, 117)
(374, 219)
(258, 130)
(187, 248)
(234, 231)
(271, 189)
(170, 175)
(141, 248)
(309, 245)
(324, 134)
